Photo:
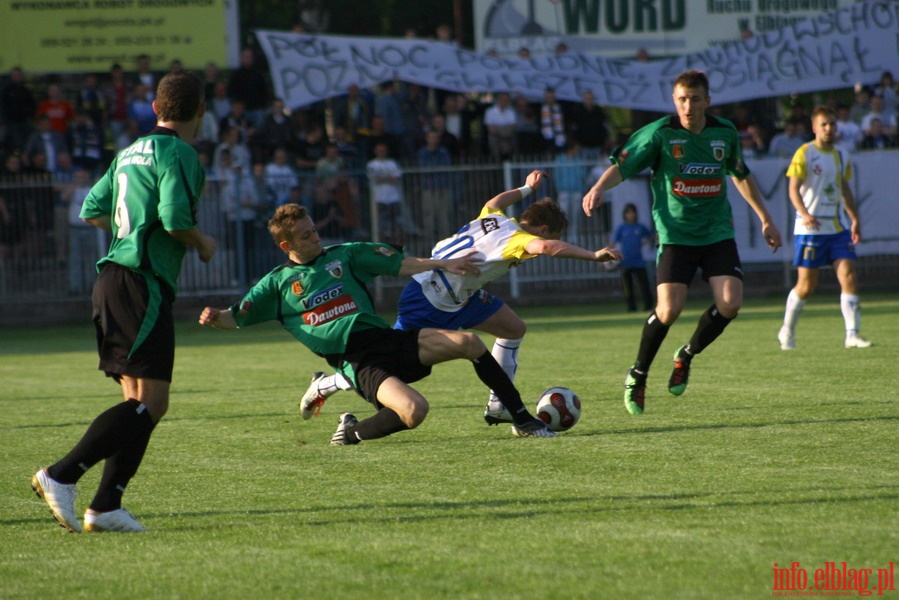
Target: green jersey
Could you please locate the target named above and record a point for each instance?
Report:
(689, 190)
(151, 187)
(323, 302)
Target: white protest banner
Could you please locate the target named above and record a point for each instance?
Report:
(837, 50)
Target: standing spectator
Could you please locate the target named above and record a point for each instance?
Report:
(331, 172)
(418, 116)
(57, 108)
(18, 108)
(436, 200)
(117, 94)
(329, 222)
(390, 109)
(849, 133)
(348, 151)
(630, 237)
(552, 122)
(92, 101)
(145, 76)
(211, 78)
(63, 176)
(41, 199)
(888, 91)
(85, 142)
(378, 135)
(446, 139)
(14, 213)
(353, 111)
(385, 182)
(82, 255)
(240, 201)
(248, 85)
(887, 120)
(820, 192)
(132, 306)
(500, 120)
(861, 106)
(219, 103)
(280, 176)
(308, 150)
(694, 221)
(276, 131)
(588, 125)
(458, 123)
(570, 175)
(528, 139)
(45, 141)
(785, 144)
(140, 109)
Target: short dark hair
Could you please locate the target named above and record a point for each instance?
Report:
(693, 79)
(282, 222)
(179, 96)
(546, 212)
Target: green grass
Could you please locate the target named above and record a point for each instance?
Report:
(769, 457)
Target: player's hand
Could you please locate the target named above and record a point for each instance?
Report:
(209, 316)
(856, 231)
(464, 265)
(811, 222)
(772, 236)
(607, 254)
(593, 199)
(535, 179)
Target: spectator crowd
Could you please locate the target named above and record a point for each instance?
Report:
(58, 133)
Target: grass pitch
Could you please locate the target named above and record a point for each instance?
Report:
(770, 457)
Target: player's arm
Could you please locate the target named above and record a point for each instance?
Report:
(195, 238)
(463, 265)
(220, 318)
(596, 195)
(852, 211)
(506, 199)
(560, 249)
(749, 189)
(795, 190)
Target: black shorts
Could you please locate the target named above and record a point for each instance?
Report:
(678, 263)
(374, 355)
(134, 324)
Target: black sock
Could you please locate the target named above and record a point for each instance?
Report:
(381, 424)
(118, 471)
(111, 431)
(654, 332)
(711, 325)
(495, 378)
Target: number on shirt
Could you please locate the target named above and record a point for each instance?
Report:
(121, 217)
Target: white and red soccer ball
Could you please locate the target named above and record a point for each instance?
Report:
(559, 407)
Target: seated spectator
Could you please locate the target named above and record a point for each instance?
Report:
(280, 176)
(86, 142)
(329, 220)
(57, 108)
(46, 141)
(140, 109)
(276, 131)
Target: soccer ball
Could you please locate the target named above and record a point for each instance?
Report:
(559, 407)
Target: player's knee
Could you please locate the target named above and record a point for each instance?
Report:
(730, 307)
(667, 315)
(416, 413)
(471, 345)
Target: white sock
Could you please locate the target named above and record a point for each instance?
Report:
(852, 313)
(506, 354)
(793, 311)
(333, 384)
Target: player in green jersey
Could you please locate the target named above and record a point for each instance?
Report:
(689, 155)
(320, 296)
(148, 200)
